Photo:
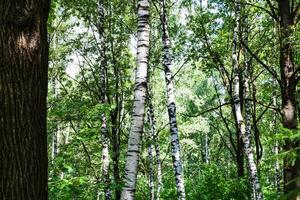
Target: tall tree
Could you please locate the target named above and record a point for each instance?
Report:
(290, 77)
(23, 92)
(140, 91)
(154, 142)
(150, 158)
(171, 104)
(104, 96)
(235, 137)
(244, 127)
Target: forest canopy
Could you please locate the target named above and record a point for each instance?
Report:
(150, 99)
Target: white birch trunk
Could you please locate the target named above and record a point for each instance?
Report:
(245, 130)
(140, 91)
(171, 105)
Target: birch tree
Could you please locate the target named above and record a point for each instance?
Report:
(244, 127)
(153, 138)
(140, 91)
(171, 104)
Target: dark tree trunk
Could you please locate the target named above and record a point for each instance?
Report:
(116, 155)
(102, 7)
(288, 94)
(239, 153)
(23, 92)
(240, 156)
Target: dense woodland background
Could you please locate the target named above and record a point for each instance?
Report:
(202, 38)
(131, 80)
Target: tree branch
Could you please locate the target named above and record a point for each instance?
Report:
(272, 72)
(271, 13)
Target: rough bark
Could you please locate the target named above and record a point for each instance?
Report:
(140, 92)
(23, 92)
(288, 95)
(171, 105)
(245, 129)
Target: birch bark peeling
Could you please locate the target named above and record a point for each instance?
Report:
(140, 91)
(171, 104)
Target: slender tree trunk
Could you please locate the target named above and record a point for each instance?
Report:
(171, 105)
(288, 94)
(23, 93)
(116, 155)
(115, 116)
(257, 193)
(239, 146)
(105, 157)
(63, 139)
(156, 145)
(54, 146)
(258, 145)
(150, 158)
(206, 149)
(140, 92)
(276, 152)
(245, 129)
(239, 140)
(104, 98)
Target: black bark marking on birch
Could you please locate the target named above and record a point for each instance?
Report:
(171, 105)
(140, 91)
(243, 128)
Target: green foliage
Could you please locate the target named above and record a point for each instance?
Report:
(201, 41)
(211, 182)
